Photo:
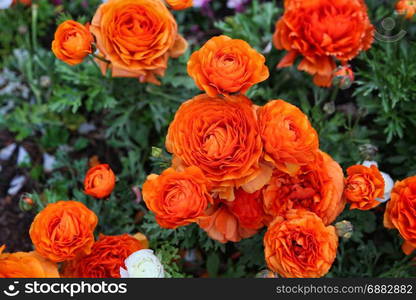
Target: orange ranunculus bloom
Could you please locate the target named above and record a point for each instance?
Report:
(323, 31)
(289, 139)
(248, 209)
(222, 225)
(63, 230)
(406, 8)
(137, 37)
(177, 198)
(221, 137)
(226, 66)
(107, 256)
(99, 181)
(401, 212)
(180, 4)
(26, 265)
(317, 187)
(72, 42)
(363, 186)
(299, 245)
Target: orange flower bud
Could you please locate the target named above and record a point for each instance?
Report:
(72, 43)
(343, 77)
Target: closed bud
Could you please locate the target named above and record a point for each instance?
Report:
(45, 81)
(368, 151)
(26, 203)
(156, 152)
(329, 107)
(344, 229)
(343, 77)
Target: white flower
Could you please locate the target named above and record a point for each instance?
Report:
(388, 181)
(142, 264)
(5, 4)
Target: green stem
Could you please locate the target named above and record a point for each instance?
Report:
(100, 58)
(34, 27)
(91, 58)
(108, 73)
(334, 94)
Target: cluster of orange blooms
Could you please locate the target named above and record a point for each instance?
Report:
(299, 241)
(237, 167)
(63, 238)
(134, 38)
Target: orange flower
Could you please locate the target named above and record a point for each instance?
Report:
(177, 198)
(99, 181)
(137, 37)
(363, 186)
(248, 209)
(289, 138)
(406, 8)
(221, 138)
(26, 265)
(323, 31)
(180, 4)
(107, 256)
(300, 245)
(222, 225)
(317, 187)
(401, 212)
(25, 2)
(226, 66)
(63, 230)
(72, 42)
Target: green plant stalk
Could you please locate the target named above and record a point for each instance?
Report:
(334, 94)
(34, 46)
(91, 58)
(34, 27)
